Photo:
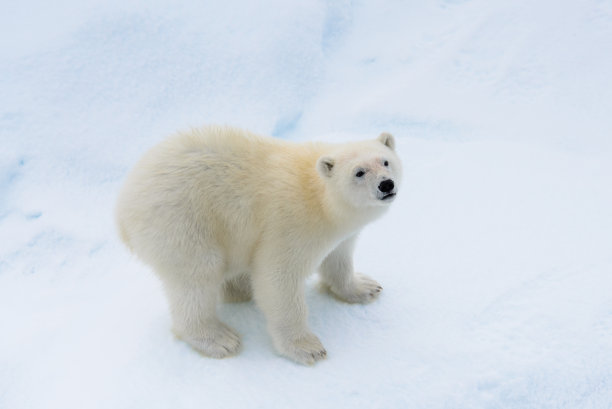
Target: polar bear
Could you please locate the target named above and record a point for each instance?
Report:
(221, 213)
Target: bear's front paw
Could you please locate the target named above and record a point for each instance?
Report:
(216, 341)
(361, 289)
(306, 349)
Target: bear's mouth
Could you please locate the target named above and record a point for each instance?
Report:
(388, 196)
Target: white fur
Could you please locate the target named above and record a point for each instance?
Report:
(219, 212)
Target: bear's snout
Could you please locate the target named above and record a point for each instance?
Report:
(386, 186)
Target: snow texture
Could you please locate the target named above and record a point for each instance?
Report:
(496, 258)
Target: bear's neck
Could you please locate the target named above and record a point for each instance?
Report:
(334, 216)
(347, 219)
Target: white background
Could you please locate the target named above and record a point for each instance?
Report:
(496, 258)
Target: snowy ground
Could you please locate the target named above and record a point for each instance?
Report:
(496, 258)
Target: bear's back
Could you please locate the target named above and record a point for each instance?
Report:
(223, 181)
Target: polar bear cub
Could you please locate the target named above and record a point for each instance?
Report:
(221, 213)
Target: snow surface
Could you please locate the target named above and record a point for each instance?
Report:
(496, 258)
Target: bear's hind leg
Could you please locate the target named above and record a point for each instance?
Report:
(193, 308)
(237, 289)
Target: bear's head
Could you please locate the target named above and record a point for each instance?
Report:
(363, 174)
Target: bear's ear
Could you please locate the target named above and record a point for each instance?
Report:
(388, 140)
(325, 165)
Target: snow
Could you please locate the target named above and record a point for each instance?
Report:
(496, 258)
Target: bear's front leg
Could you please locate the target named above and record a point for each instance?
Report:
(338, 275)
(279, 292)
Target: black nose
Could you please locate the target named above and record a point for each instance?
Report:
(386, 186)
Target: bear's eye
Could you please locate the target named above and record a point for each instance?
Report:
(360, 173)
(386, 163)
